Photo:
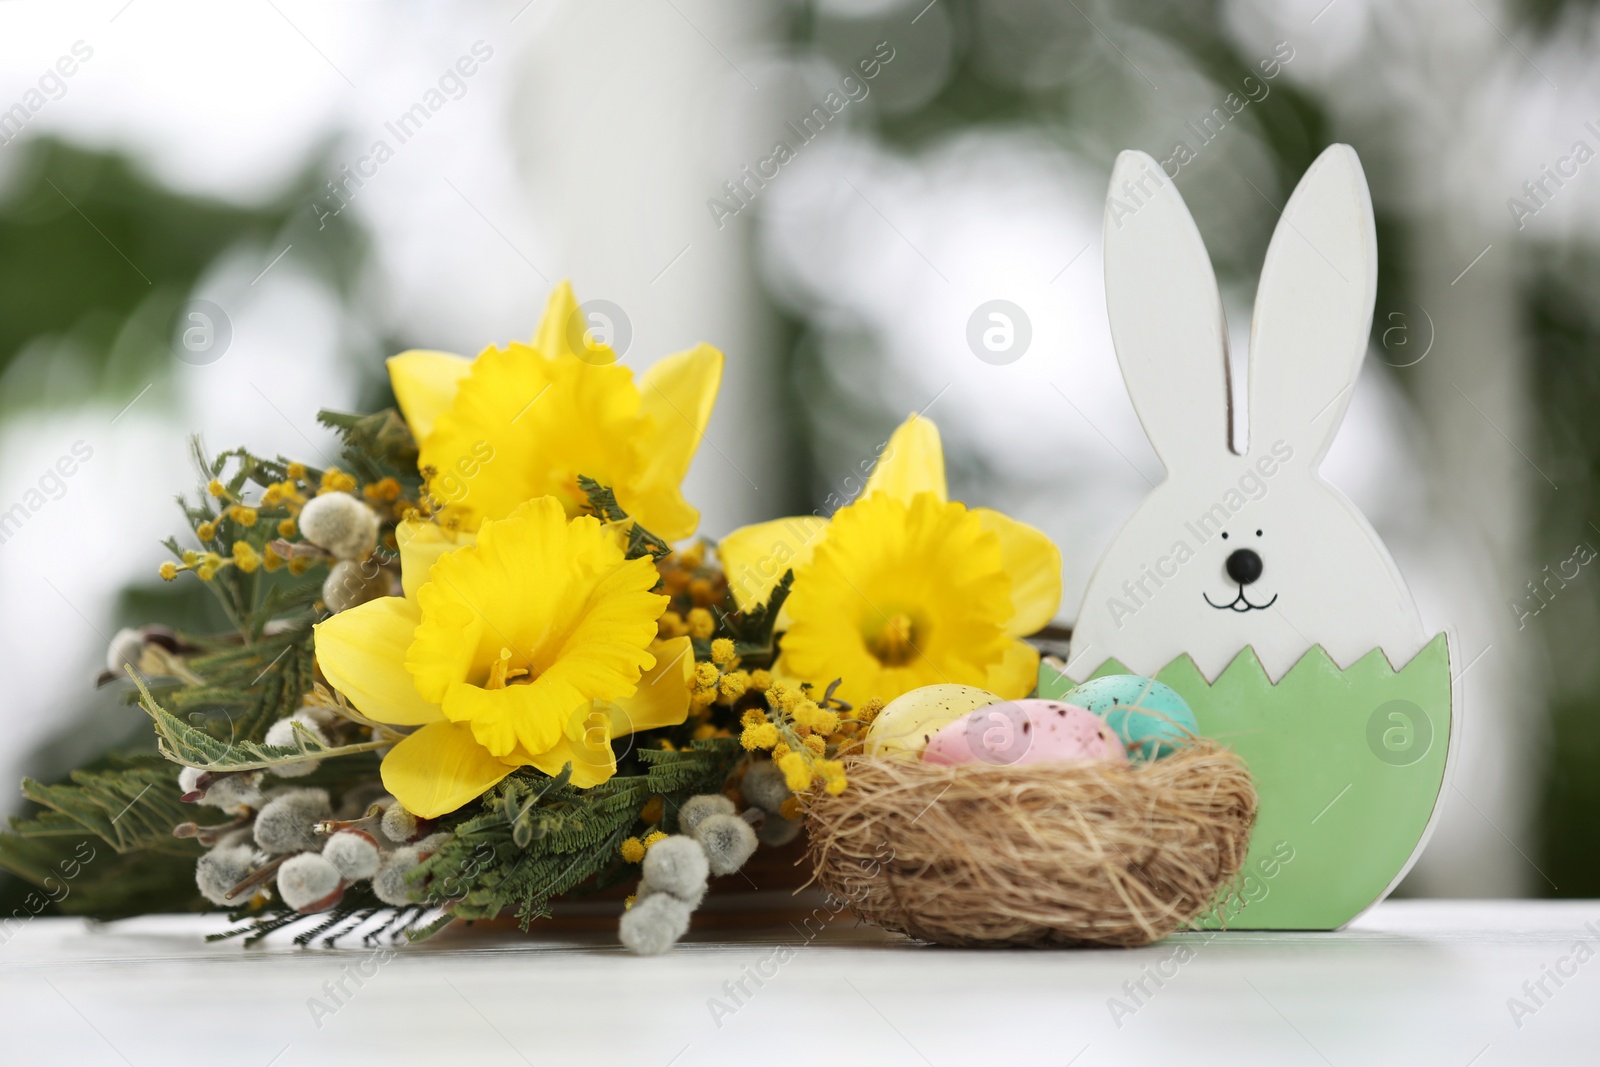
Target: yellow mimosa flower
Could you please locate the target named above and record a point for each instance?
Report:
(526, 421)
(904, 587)
(531, 644)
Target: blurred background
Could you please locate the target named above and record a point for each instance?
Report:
(331, 184)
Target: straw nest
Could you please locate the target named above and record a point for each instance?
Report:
(1065, 853)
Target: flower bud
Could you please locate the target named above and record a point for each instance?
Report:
(677, 865)
(351, 583)
(654, 924)
(309, 883)
(399, 825)
(282, 734)
(221, 869)
(433, 843)
(286, 823)
(389, 884)
(341, 524)
(728, 841)
(778, 831)
(763, 785)
(127, 645)
(693, 810)
(354, 853)
(228, 790)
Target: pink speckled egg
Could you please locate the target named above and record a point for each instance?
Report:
(1026, 731)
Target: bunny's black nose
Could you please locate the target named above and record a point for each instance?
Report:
(1244, 566)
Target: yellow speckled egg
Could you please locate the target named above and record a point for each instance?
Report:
(902, 728)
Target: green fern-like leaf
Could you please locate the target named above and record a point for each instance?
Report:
(80, 875)
(752, 631)
(603, 501)
(184, 744)
(248, 688)
(700, 768)
(376, 445)
(570, 837)
(130, 807)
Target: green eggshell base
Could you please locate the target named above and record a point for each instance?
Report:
(1349, 765)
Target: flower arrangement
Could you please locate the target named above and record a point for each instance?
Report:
(467, 673)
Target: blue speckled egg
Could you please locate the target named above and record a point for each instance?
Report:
(1146, 714)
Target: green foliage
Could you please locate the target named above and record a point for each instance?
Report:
(377, 446)
(101, 843)
(243, 682)
(120, 810)
(536, 838)
(76, 874)
(529, 840)
(700, 768)
(96, 259)
(641, 542)
(1564, 352)
(130, 807)
(234, 687)
(246, 688)
(751, 631)
(184, 744)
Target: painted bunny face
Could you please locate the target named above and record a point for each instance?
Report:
(1254, 549)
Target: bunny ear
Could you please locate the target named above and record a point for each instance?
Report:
(1166, 315)
(1313, 308)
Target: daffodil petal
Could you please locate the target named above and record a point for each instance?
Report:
(1034, 564)
(439, 768)
(421, 545)
(1016, 674)
(660, 508)
(551, 338)
(592, 763)
(523, 426)
(362, 653)
(531, 420)
(755, 557)
(679, 392)
(911, 463)
(425, 384)
(662, 698)
(445, 642)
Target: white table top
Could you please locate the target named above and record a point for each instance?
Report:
(1414, 982)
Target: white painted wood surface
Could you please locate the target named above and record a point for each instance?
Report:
(1413, 982)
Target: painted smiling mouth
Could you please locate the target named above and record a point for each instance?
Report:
(1241, 603)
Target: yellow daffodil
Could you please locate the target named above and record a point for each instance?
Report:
(529, 644)
(526, 421)
(904, 587)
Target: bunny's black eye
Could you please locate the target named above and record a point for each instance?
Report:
(1258, 533)
(1224, 535)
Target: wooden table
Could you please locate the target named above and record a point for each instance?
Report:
(1414, 982)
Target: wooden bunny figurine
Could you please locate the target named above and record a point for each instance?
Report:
(1250, 548)
(1246, 582)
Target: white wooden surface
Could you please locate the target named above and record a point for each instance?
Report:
(1415, 982)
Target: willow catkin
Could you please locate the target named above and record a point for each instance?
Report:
(1064, 853)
